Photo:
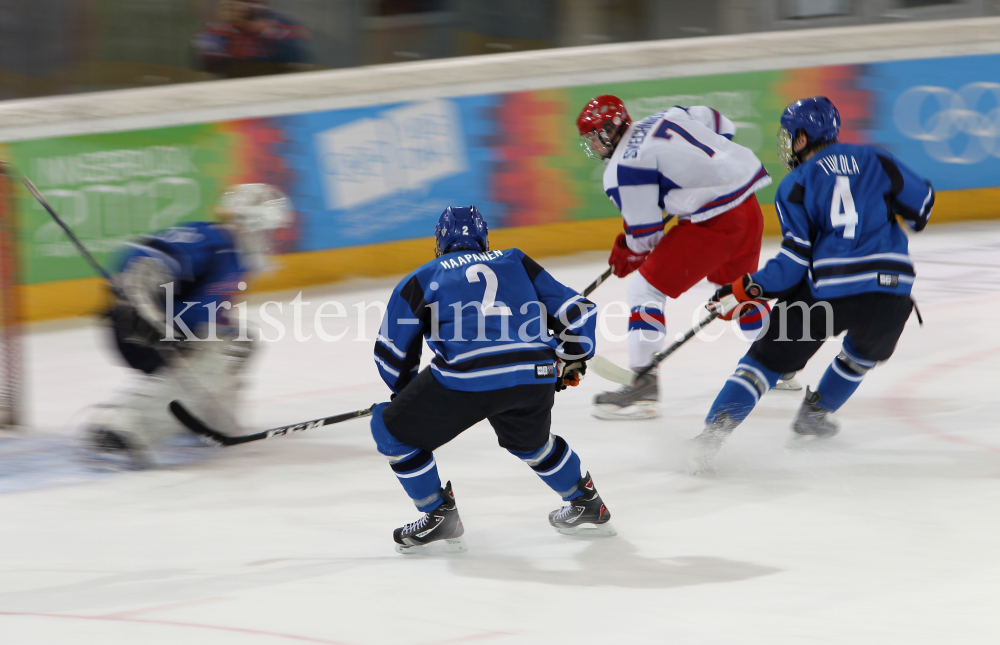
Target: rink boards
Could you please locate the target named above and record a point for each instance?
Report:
(369, 181)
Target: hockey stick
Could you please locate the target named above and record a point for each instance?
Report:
(596, 283)
(209, 435)
(69, 233)
(606, 369)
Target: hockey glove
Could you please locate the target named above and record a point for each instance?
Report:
(731, 300)
(569, 374)
(131, 327)
(623, 259)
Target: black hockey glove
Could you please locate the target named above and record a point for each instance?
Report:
(131, 327)
(569, 374)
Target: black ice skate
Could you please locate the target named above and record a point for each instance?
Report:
(585, 515)
(635, 401)
(814, 421)
(443, 523)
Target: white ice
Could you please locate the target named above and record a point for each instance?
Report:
(888, 533)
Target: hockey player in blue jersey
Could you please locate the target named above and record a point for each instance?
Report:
(172, 288)
(505, 336)
(843, 266)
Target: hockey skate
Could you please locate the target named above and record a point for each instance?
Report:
(585, 515)
(635, 401)
(788, 383)
(813, 420)
(443, 523)
(707, 445)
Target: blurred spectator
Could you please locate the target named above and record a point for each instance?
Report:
(249, 39)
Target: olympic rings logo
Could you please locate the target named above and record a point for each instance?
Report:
(957, 114)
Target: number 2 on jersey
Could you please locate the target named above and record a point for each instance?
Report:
(488, 306)
(842, 212)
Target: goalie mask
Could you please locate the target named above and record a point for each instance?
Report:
(601, 124)
(253, 212)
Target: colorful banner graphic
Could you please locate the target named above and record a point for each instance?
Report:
(383, 173)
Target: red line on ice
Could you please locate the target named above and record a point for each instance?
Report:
(930, 373)
(256, 632)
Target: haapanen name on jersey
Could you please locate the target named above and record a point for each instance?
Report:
(469, 258)
(839, 165)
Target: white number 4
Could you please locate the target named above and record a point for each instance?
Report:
(842, 211)
(488, 306)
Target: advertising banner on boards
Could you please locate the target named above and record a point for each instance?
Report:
(384, 173)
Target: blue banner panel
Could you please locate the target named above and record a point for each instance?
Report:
(941, 117)
(384, 173)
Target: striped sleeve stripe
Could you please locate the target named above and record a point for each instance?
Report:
(388, 343)
(642, 230)
(794, 257)
(385, 367)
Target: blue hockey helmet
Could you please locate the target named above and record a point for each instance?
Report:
(817, 117)
(461, 228)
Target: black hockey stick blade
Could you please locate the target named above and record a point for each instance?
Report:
(659, 357)
(212, 436)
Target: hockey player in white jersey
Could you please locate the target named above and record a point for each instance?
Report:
(682, 162)
(201, 265)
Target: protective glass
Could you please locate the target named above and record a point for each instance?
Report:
(785, 152)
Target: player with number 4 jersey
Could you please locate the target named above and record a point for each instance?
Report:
(843, 266)
(506, 337)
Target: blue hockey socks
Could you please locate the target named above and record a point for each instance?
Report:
(556, 464)
(742, 390)
(415, 468)
(843, 377)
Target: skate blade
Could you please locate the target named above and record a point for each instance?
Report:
(454, 545)
(808, 441)
(606, 529)
(791, 385)
(635, 412)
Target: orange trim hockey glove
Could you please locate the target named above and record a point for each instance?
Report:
(730, 300)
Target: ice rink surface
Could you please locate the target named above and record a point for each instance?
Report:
(887, 533)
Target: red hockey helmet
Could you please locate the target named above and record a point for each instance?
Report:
(601, 124)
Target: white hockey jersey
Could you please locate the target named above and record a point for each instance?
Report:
(682, 161)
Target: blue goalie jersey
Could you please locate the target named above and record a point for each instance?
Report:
(487, 317)
(838, 218)
(203, 261)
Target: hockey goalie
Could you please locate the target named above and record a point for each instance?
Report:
(171, 323)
